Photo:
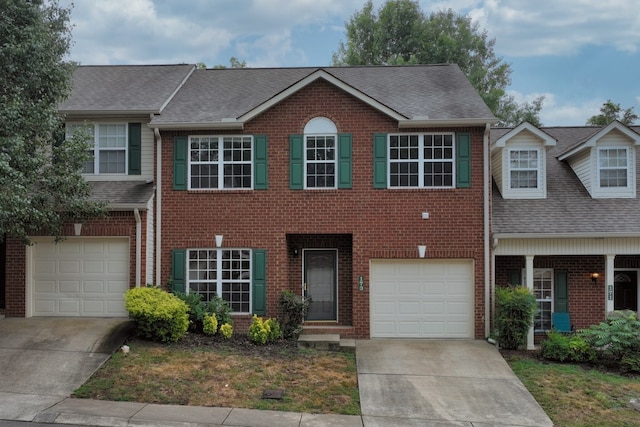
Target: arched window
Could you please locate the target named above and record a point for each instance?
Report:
(320, 153)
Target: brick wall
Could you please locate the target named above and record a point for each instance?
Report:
(381, 223)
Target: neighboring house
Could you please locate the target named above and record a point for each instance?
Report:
(88, 273)
(366, 189)
(566, 219)
(325, 181)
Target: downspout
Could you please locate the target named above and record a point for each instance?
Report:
(487, 223)
(158, 212)
(136, 213)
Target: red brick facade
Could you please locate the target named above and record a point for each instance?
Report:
(362, 222)
(117, 224)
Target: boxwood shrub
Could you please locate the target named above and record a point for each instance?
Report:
(158, 315)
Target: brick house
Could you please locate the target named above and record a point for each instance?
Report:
(364, 189)
(566, 219)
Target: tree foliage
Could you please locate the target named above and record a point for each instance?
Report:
(233, 63)
(401, 33)
(611, 111)
(40, 173)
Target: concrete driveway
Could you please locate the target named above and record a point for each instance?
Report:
(441, 383)
(44, 359)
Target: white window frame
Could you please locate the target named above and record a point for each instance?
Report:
(543, 295)
(537, 169)
(221, 162)
(219, 279)
(333, 162)
(421, 160)
(95, 146)
(627, 168)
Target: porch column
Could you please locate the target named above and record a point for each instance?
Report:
(529, 281)
(608, 284)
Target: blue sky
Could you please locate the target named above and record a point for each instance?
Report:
(577, 53)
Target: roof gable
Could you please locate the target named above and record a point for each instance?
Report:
(591, 141)
(546, 139)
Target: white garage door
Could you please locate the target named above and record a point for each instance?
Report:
(421, 298)
(79, 277)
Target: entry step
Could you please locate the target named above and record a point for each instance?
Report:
(331, 342)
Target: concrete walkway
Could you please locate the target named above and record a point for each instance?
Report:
(402, 383)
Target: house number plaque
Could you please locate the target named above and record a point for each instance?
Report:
(361, 283)
(610, 292)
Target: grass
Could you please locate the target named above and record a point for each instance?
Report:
(229, 375)
(576, 396)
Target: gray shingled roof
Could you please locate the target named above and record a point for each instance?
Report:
(439, 92)
(123, 88)
(122, 194)
(568, 207)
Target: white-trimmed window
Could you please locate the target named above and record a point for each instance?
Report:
(109, 142)
(613, 168)
(222, 272)
(320, 154)
(524, 168)
(543, 291)
(220, 162)
(422, 160)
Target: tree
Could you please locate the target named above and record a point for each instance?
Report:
(233, 62)
(40, 172)
(401, 33)
(610, 112)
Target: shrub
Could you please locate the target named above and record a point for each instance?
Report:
(221, 309)
(264, 331)
(197, 310)
(210, 324)
(293, 309)
(617, 337)
(630, 363)
(226, 330)
(561, 348)
(515, 307)
(158, 315)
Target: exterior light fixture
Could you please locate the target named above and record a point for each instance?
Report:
(294, 252)
(594, 277)
(218, 240)
(422, 250)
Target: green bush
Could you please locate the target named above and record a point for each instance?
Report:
(158, 315)
(515, 307)
(221, 309)
(197, 310)
(566, 348)
(226, 330)
(210, 324)
(617, 337)
(264, 331)
(631, 363)
(293, 309)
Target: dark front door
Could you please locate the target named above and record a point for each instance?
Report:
(625, 296)
(320, 283)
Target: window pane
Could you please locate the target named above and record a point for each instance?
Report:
(613, 167)
(112, 136)
(524, 168)
(112, 161)
(320, 161)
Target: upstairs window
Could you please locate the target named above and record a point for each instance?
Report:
(613, 168)
(524, 169)
(108, 152)
(220, 162)
(421, 161)
(320, 154)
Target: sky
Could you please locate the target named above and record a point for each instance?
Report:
(576, 53)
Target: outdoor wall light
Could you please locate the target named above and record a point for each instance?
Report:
(219, 240)
(294, 252)
(422, 250)
(594, 277)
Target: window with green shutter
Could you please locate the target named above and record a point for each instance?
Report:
(259, 282)
(178, 270)
(296, 162)
(380, 160)
(180, 163)
(344, 160)
(135, 148)
(463, 160)
(260, 162)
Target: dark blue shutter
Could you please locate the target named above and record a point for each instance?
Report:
(135, 148)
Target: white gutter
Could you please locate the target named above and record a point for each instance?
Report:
(413, 123)
(158, 211)
(587, 235)
(136, 213)
(198, 125)
(488, 283)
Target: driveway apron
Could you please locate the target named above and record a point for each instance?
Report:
(44, 359)
(441, 383)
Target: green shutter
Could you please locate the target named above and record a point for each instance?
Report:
(178, 273)
(296, 162)
(514, 277)
(259, 282)
(180, 163)
(135, 148)
(380, 160)
(463, 160)
(344, 160)
(260, 162)
(561, 286)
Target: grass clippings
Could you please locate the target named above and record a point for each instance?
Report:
(578, 396)
(204, 371)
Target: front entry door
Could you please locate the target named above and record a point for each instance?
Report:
(320, 283)
(626, 291)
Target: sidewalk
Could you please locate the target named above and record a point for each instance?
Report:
(108, 414)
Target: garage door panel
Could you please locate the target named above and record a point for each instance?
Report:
(422, 298)
(80, 277)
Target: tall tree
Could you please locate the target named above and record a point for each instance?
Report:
(401, 33)
(611, 111)
(40, 172)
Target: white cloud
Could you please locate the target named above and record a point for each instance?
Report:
(556, 112)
